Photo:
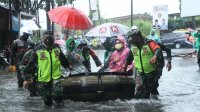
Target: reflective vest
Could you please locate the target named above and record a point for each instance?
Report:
(49, 66)
(142, 57)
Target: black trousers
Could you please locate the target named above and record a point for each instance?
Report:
(198, 58)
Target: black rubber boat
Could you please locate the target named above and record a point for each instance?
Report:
(98, 86)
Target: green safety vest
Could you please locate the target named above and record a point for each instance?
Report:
(146, 55)
(49, 66)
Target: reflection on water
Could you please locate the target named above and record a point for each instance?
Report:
(179, 92)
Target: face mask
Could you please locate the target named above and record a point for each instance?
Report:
(118, 46)
(49, 41)
(71, 47)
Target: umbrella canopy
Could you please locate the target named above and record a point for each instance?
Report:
(108, 30)
(70, 18)
(30, 24)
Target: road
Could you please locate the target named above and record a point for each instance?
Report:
(179, 92)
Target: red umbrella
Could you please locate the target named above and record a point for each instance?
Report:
(70, 18)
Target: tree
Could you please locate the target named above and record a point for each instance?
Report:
(30, 6)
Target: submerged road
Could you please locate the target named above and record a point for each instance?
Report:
(179, 92)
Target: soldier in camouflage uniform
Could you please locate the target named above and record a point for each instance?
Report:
(30, 76)
(49, 58)
(19, 48)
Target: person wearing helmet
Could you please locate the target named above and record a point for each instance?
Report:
(48, 57)
(134, 28)
(18, 49)
(145, 55)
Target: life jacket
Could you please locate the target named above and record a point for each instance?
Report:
(142, 57)
(49, 66)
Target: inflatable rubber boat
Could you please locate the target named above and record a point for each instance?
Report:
(98, 86)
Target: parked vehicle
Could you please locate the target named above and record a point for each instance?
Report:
(3, 60)
(175, 40)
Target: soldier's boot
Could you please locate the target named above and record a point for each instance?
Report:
(20, 84)
(48, 102)
(58, 100)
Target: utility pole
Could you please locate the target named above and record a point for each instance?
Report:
(48, 20)
(99, 15)
(90, 13)
(131, 13)
(52, 27)
(10, 21)
(37, 19)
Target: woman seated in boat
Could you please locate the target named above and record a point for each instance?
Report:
(82, 50)
(78, 51)
(120, 56)
(74, 48)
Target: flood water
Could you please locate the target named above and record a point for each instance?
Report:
(179, 92)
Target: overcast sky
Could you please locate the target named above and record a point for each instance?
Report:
(116, 8)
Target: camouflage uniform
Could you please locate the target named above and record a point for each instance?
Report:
(49, 86)
(19, 48)
(31, 75)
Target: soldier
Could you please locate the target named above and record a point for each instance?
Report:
(49, 58)
(145, 55)
(19, 48)
(31, 86)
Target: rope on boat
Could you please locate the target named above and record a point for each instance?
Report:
(100, 84)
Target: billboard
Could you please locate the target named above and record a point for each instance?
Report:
(160, 17)
(190, 8)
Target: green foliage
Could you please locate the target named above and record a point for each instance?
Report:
(176, 24)
(61, 2)
(144, 26)
(197, 20)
